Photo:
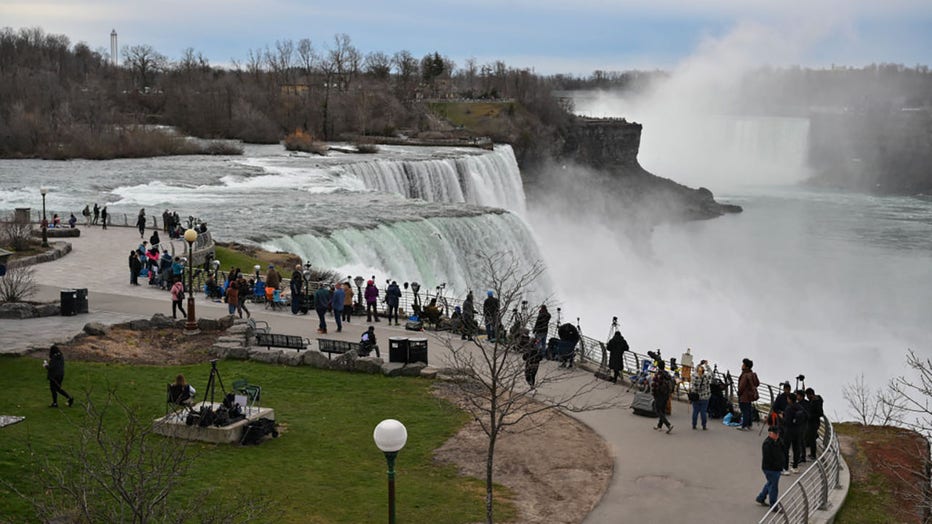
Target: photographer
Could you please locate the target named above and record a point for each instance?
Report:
(813, 422)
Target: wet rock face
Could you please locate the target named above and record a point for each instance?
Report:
(603, 142)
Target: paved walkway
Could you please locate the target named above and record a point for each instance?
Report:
(686, 476)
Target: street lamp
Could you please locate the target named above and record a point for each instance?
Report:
(190, 327)
(45, 223)
(257, 268)
(390, 436)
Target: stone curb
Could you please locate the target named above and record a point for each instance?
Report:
(58, 250)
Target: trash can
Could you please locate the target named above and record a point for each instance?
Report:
(69, 302)
(417, 350)
(81, 300)
(398, 349)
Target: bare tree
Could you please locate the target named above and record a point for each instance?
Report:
(882, 407)
(18, 284)
(914, 394)
(378, 65)
(496, 392)
(145, 63)
(119, 470)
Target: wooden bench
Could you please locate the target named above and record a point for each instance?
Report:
(331, 346)
(281, 341)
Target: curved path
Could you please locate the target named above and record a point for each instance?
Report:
(686, 476)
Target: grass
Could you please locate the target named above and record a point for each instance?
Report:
(323, 468)
(870, 497)
(473, 115)
(232, 258)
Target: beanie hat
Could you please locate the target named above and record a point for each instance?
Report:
(489, 293)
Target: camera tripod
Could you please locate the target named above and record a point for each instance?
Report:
(212, 382)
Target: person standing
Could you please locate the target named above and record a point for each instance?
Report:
(347, 302)
(141, 222)
(273, 282)
(55, 373)
(661, 387)
(244, 289)
(771, 463)
(135, 266)
(96, 213)
(490, 315)
(700, 391)
(392, 298)
(321, 304)
(154, 240)
(794, 424)
(86, 212)
(616, 355)
(371, 294)
(104, 216)
(297, 293)
(177, 292)
(469, 317)
(338, 302)
(813, 421)
(747, 392)
(532, 357)
(541, 328)
(232, 299)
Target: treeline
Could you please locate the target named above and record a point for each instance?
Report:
(55, 96)
(795, 90)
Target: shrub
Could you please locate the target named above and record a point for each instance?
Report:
(303, 141)
(18, 284)
(16, 235)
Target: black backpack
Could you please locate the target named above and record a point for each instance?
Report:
(257, 430)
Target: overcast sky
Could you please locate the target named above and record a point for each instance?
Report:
(570, 36)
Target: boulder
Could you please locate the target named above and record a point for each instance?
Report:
(273, 356)
(17, 310)
(237, 329)
(397, 369)
(429, 372)
(208, 324)
(315, 359)
(372, 365)
(346, 361)
(140, 325)
(292, 358)
(232, 339)
(48, 310)
(159, 321)
(96, 329)
(236, 352)
(225, 322)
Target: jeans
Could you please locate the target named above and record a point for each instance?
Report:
(322, 315)
(372, 309)
(700, 407)
(393, 313)
(745, 414)
(771, 487)
(338, 318)
(490, 330)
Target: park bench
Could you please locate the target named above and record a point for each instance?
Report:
(270, 340)
(254, 325)
(331, 346)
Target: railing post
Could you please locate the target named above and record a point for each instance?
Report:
(824, 476)
(802, 490)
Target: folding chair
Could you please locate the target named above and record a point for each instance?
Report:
(251, 392)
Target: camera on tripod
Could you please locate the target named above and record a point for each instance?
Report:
(655, 355)
(801, 378)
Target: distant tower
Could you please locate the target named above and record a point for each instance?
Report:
(114, 59)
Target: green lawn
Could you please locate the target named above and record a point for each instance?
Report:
(323, 468)
(229, 258)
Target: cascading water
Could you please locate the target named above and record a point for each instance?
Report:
(490, 179)
(433, 251)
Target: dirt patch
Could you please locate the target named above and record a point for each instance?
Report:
(557, 467)
(892, 462)
(168, 346)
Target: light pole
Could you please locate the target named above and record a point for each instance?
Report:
(390, 436)
(45, 223)
(190, 327)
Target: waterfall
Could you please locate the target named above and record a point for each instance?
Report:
(431, 251)
(488, 179)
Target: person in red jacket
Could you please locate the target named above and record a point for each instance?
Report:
(747, 392)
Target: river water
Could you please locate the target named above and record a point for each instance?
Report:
(822, 283)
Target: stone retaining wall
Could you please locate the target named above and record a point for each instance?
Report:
(56, 251)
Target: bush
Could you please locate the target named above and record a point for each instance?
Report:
(18, 284)
(16, 235)
(303, 141)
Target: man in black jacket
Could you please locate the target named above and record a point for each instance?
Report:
(771, 463)
(813, 422)
(794, 420)
(616, 354)
(55, 372)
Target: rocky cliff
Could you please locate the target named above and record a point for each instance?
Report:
(610, 147)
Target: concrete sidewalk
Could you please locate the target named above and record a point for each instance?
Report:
(686, 476)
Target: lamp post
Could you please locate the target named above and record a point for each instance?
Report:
(190, 327)
(45, 223)
(390, 436)
(256, 268)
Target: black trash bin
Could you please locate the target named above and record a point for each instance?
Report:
(81, 300)
(69, 302)
(398, 349)
(417, 350)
